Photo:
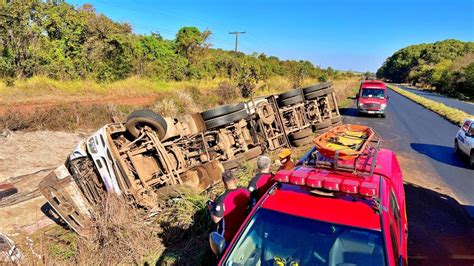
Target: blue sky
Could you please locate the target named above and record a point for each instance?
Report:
(343, 34)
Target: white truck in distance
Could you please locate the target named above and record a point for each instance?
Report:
(464, 141)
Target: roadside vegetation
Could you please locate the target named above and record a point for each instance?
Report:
(446, 67)
(56, 40)
(28, 106)
(454, 115)
(85, 68)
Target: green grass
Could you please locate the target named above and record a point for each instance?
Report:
(454, 115)
(347, 102)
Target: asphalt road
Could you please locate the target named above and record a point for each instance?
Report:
(440, 185)
(428, 139)
(464, 106)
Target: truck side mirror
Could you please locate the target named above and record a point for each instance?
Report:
(217, 243)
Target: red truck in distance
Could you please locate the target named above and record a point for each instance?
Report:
(372, 98)
(327, 211)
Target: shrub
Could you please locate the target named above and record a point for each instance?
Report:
(226, 92)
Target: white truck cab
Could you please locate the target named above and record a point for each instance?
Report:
(464, 141)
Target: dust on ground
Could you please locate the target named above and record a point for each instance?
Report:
(23, 153)
(25, 159)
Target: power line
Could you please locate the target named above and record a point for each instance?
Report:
(246, 44)
(236, 38)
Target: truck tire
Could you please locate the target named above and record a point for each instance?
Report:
(253, 153)
(317, 87)
(226, 119)
(221, 111)
(290, 101)
(471, 159)
(323, 124)
(316, 94)
(456, 147)
(289, 94)
(302, 142)
(141, 118)
(301, 134)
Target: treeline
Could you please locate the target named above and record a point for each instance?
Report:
(447, 66)
(54, 39)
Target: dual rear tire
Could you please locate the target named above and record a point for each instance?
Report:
(302, 137)
(224, 115)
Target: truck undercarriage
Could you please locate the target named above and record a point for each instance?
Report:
(147, 153)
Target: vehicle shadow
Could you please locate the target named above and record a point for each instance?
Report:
(49, 212)
(349, 111)
(440, 231)
(187, 245)
(441, 154)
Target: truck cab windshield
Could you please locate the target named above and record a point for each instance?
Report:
(275, 238)
(373, 93)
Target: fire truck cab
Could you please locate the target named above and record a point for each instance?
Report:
(326, 211)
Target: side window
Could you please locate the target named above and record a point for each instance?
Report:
(395, 209)
(471, 130)
(393, 237)
(466, 126)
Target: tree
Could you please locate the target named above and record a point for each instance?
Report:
(248, 77)
(190, 41)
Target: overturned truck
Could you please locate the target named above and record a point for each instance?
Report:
(143, 157)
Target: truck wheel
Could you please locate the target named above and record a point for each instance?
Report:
(323, 124)
(221, 111)
(302, 142)
(226, 119)
(316, 94)
(471, 159)
(301, 134)
(290, 94)
(317, 87)
(290, 101)
(456, 147)
(141, 118)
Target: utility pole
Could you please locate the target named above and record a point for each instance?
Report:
(237, 38)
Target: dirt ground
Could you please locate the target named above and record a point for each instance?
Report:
(24, 153)
(31, 107)
(25, 158)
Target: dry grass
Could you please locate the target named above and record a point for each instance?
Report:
(454, 115)
(345, 89)
(68, 117)
(122, 234)
(40, 103)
